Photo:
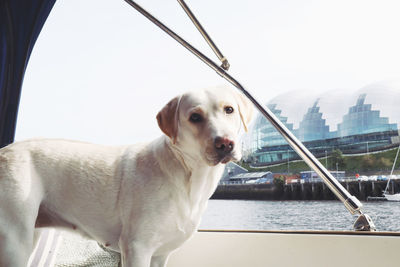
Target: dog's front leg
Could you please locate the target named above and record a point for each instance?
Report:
(135, 254)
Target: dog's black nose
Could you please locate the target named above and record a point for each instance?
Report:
(223, 145)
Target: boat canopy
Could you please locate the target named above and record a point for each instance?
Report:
(20, 24)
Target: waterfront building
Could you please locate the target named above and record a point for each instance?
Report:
(354, 122)
(313, 177)
(251, 178)
(313, 126)
(265, 137)
(231, 169)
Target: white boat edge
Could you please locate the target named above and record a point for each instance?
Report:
(287, 249)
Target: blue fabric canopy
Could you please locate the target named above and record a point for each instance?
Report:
(20, 24)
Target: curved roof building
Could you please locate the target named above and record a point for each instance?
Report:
(368, 117)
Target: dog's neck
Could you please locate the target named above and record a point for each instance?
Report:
(185, 160)
(202, 179)
(188, 161)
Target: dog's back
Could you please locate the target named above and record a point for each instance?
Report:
(60, 164)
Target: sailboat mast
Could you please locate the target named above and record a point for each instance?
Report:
(391, 172)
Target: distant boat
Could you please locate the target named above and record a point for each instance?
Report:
(392, 197)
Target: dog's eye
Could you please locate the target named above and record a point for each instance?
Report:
(228, 109)
(195, 118)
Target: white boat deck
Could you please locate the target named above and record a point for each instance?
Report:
(237, 249)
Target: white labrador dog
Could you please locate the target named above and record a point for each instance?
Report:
(142, 200)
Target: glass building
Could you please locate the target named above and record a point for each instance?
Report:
(360, 122)
(266, 135)
(313, 126)
(361, 119)
(266, 138)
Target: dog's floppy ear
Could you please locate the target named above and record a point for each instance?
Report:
(167, 119)
(246, 109)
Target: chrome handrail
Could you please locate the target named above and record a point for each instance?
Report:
(353, 205)
(225, 64)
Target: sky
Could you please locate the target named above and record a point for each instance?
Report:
(100, 71)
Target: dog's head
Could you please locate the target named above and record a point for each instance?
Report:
(205, 124)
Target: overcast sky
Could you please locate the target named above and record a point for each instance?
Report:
(100, 71)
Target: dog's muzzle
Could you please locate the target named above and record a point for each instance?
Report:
(224, 147)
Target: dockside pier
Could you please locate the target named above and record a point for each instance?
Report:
(303, 191)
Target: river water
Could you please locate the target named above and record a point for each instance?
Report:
(295, 215)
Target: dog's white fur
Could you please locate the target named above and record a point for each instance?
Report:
(142, 200)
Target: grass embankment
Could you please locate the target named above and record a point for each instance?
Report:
(377, 163)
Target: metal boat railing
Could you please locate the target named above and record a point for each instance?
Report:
(364, 222)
